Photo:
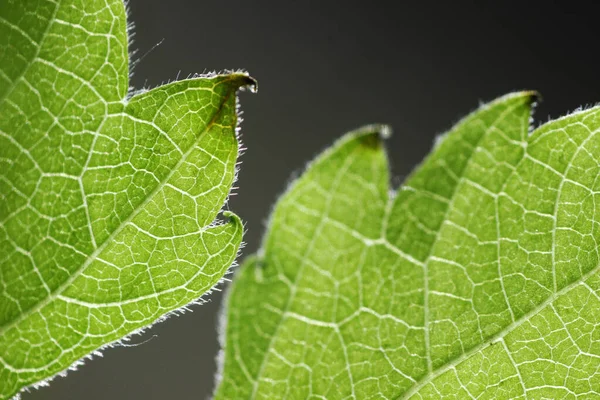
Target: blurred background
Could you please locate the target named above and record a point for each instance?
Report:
(326, 67)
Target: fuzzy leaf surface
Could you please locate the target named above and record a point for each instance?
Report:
(478, 278)
(108, 201)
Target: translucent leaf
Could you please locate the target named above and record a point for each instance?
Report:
(477, 279)
(107, 200)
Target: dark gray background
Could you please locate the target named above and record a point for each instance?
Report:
(325, 68)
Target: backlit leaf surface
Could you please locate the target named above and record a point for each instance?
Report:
(107, 200)
(477, 279)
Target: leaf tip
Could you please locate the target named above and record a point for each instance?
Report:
(244, 81)
(233, 218)
(372, 135)
(529, 97)
(533, 98)
(533, 95)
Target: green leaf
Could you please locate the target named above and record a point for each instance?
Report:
(477, 279)
(108, 200)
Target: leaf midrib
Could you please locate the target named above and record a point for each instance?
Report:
(92, 257)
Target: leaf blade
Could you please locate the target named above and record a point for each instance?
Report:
(459, 296)
(296, 203)
(108, 203)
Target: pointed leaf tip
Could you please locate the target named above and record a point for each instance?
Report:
(382, 130)
(372, 135)
(233, 218)
(245, 81)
